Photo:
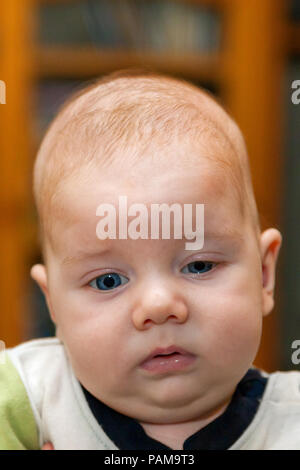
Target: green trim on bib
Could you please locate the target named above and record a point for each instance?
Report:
(18, 429)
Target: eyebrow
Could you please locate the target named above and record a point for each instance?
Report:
(227, 235)
(82, 255)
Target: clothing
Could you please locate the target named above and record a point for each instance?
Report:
(220, 434)
(41, 400)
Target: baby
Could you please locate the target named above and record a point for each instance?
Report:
(155, 341)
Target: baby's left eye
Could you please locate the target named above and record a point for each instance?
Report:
(198, 267)
(108, 281)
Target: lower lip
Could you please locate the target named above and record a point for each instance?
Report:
(168, 363)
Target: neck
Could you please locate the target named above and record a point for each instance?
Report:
(174, 434)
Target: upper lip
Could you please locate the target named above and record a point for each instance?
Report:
(164, 351)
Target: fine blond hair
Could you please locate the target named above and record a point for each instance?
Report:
(134, 109)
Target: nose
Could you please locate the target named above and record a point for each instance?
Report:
(157, 305)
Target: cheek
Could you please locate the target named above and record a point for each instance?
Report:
(235, 336)
(232, 323)
(95, 355)
(93, 337)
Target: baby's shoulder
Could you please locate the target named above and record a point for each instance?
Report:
(37, 353)
(21, 389)
(284, 386)
(39, 362)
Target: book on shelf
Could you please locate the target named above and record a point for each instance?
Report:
(158, 25)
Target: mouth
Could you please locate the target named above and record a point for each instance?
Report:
(163, 360)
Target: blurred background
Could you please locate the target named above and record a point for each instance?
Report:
(247, 52)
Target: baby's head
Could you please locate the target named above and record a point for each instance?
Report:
(115, 302)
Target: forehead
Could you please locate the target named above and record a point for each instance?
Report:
(80, 196)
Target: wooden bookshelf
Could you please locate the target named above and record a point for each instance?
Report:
(210, 3)
(248, 71)
(84, 63)
(16, 69)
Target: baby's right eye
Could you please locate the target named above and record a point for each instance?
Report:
(108, 281)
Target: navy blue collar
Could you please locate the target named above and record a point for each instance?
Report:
(220, 434)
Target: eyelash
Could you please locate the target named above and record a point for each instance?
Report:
(112, 274)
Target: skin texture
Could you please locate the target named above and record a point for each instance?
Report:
(217, 315)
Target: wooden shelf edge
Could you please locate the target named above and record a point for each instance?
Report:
(212, 3)
(85, 62)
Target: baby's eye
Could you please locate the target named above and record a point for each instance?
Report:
(198, 267)
(108, 281)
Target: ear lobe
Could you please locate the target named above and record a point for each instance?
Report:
(270, 243)
(39, 274)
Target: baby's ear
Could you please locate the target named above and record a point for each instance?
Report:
(270, 242)
(39, 274)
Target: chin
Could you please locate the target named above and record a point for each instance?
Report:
(157, 415)
(174, 408)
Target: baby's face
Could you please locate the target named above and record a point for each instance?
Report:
(207, 303)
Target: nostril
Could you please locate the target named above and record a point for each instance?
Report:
(148, 321)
